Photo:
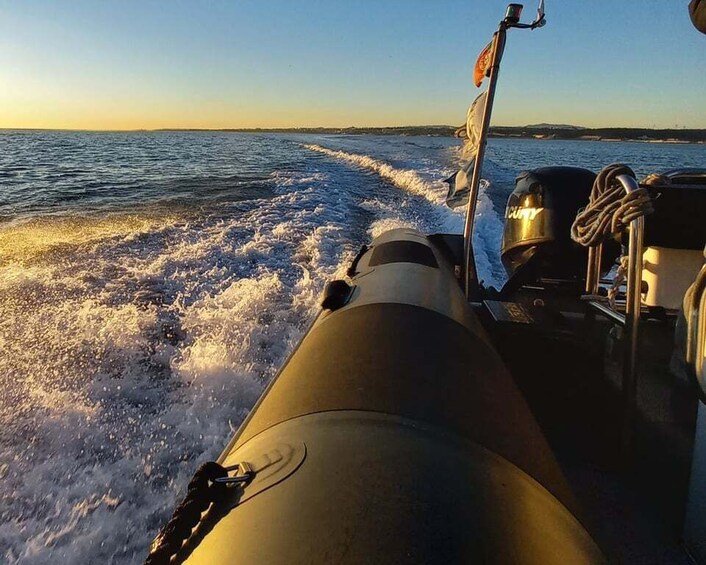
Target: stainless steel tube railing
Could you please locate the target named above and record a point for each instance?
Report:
(632, 319)
(696, 324)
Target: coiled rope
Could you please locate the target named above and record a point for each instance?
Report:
(610, 209)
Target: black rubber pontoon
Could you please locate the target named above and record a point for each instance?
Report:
(394, 434)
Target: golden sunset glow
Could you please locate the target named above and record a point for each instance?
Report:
(244, 66)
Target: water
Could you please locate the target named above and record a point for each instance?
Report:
(152, 283)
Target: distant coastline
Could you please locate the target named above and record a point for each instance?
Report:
(538, 131)
(644, 135)
(541, 131)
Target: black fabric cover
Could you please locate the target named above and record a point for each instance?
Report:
(415, 363)
(679, 219)
(403, 251)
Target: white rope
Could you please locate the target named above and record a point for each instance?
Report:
(610, 209)
(621, 275)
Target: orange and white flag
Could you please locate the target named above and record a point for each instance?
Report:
(482, 68)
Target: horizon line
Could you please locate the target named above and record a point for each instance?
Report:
(300, 128)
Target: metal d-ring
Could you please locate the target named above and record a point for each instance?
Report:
(244, 474)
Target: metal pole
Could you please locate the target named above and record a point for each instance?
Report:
(471, 282)
(694, 343)
(593, 273)
(632, 321)
(608, 312)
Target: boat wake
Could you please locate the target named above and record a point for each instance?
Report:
(440, 218)
(405, 179)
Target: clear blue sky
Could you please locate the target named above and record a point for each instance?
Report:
(148, 64)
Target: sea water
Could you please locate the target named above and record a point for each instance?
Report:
(151, 284)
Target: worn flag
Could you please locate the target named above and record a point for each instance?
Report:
(482, 68)
(460, 181)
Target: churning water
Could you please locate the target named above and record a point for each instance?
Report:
(152, 283)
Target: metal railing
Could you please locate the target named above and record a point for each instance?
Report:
(630, 319)
(696, 325)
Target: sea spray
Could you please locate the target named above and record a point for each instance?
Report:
(130, 349)
(442, 220)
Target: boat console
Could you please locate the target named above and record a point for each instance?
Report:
(674, 236)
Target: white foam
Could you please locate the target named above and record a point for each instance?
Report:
(488, 226)
(406, 179)
(146, 345)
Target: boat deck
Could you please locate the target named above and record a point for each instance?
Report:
(569, 370)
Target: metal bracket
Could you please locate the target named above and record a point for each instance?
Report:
(243, 474)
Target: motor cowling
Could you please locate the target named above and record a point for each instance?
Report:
(537, 235)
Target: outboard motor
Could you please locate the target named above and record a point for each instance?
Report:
(537, 237)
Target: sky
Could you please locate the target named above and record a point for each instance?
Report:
(95, 64)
